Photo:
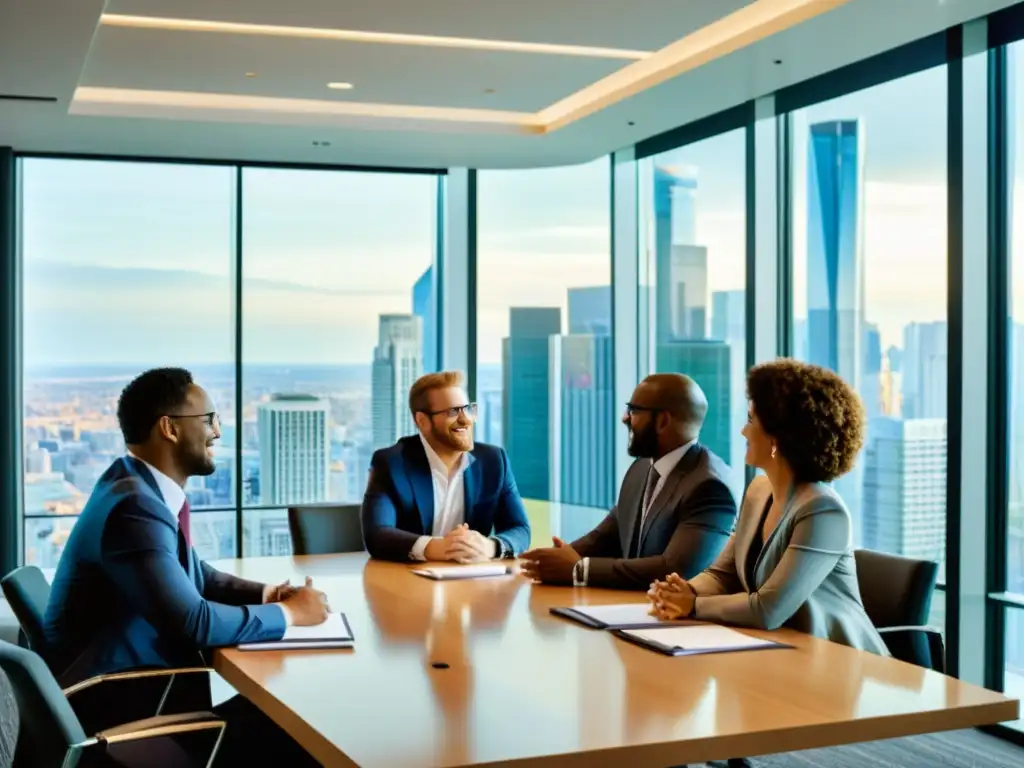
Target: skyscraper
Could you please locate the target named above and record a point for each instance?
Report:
(675, 192)
(708, 363)
(925, 363)
(728, 324)
(871, 371)
(423, 307)
(525, 409)
(688, 298)
(580, 432)
(905, 488)
(294, 449)
(835, 266)
(396, 366)
(590, 310)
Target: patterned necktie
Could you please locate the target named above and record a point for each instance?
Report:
(184, 523)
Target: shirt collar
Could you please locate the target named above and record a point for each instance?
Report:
(173, 494)
(437, 465)
(670, 460)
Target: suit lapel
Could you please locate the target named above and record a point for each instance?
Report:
(631, 501)
(418, 470)
(669, 489)
(184, 552)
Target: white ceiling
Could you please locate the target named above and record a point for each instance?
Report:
(48, 48)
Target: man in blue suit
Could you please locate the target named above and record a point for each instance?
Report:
(439, 496)
(130, 591)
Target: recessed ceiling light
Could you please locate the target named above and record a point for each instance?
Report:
(250, 74)
(340, 86)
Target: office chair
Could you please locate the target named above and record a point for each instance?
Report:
(325, 529)
(50, 735)
(897, 595)
(28, 591)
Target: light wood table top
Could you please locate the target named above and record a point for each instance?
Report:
(522, 686)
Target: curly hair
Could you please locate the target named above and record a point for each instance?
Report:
(155, 393)
(815, 417)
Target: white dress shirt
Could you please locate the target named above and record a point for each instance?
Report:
(449, 499)
(174, 498)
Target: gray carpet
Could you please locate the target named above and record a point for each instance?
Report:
(954, 749)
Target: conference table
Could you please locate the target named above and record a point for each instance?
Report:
(479, 673)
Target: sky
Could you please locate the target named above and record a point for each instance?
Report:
(132, 263)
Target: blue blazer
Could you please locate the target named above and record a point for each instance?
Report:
(398, 506)
(129, 593)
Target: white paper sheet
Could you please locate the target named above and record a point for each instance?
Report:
(332, 633)
(620, 615)
(699, 637)
(464, 572)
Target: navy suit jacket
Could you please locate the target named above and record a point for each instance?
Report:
(398, 506)
(129, 593)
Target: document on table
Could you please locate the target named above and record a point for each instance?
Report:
(618, 616)
(332, 633)
(697, 639)
(464, 572)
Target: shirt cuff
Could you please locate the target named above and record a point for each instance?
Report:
(286, 612)
(419, 549)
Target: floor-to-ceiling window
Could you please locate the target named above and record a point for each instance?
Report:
(126, 266)
(338, 321)
(544, 359)
(870, 295)
(692, 287)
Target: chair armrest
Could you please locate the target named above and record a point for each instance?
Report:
(135, 675)
(911, 638)
(162, 726)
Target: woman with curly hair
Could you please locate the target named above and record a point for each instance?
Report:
(789, 562)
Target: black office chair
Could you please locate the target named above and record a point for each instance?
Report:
(51, 735)
(897, 594)
(325, 529)
(28, 591)
(10, 723)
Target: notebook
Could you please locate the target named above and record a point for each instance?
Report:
(464, 572)
(335, 632)
(619, 616)
(695, 639)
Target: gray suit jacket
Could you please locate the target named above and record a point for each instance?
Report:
(805, 578)
(685, 529)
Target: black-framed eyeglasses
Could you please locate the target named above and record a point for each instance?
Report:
(210, 418)
(632, 408)
(455, 411)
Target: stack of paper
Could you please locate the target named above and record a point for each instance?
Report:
(618, 616)
(695, 639)
(333, 633)
(464, 572)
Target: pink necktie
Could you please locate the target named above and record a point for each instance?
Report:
(184, 523)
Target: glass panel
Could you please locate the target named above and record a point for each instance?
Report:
(126, 266)
(1015, 136)
(265, 533)
(544, 370)
(693, 281)
(338, 321)
(869, 220)
(213, 534)
(1013, 676)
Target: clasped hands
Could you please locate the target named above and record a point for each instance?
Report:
(550, 565)
(306, 605)
(462, 545)
(672, 598)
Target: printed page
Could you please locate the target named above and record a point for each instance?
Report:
(619, 615)
(700, 637)
(464, 572)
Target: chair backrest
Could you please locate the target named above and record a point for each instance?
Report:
(325, 529)
(9, 722)
(47, 724)
(28, 592)
(897, 591)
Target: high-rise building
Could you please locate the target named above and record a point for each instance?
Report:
(590, 310)
(708, 363)
(688, 295)
(728, 324)
(488, 419)
(423, 304)
(835, 266)
(396, 366)
(580, 411)
(294, 449)
(905, 488)
(525, 406)
(676, 266)
(925, 363)
(871, 372)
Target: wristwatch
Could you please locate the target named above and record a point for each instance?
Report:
(501, 549)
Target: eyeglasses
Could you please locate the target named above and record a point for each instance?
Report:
(454, 412)
(210, 418)
(632, 408)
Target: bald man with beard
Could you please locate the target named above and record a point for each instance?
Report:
(675, 511)
(440, 495)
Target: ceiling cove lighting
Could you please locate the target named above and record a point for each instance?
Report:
(750, 24)
(340, 86)
(358, 36)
